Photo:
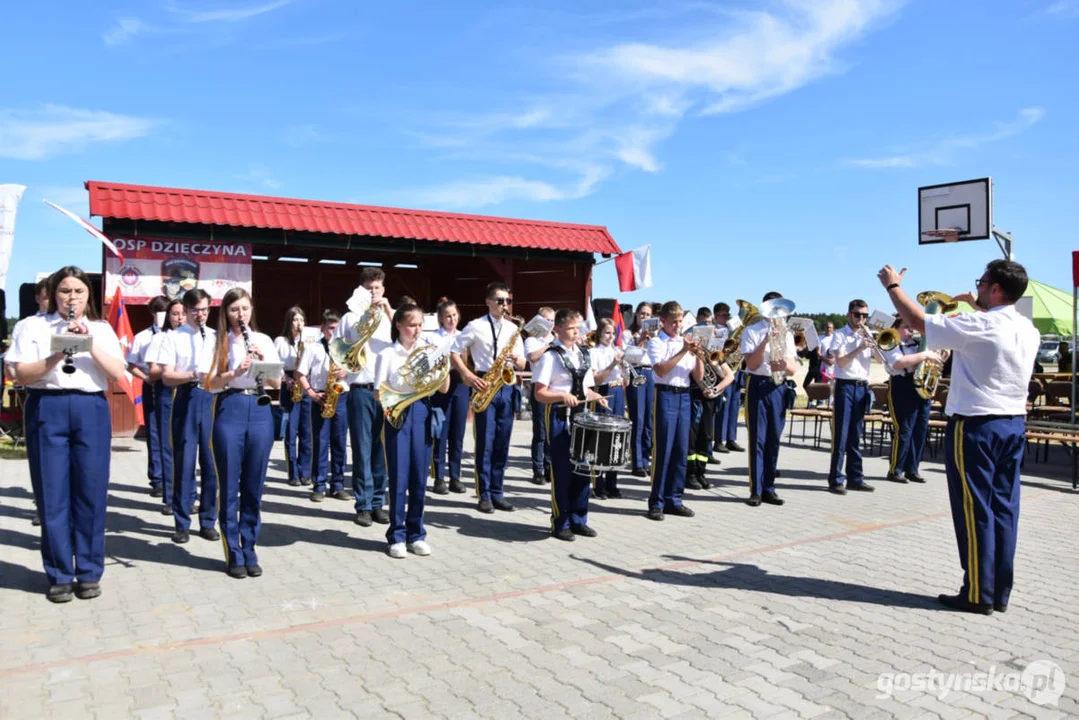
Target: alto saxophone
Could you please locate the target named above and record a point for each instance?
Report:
(297, 390)
(332, 392)
(500, 373)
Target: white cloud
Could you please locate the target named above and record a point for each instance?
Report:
(125, 29)
(944, 151)
(496, 190)
(1065, 8)
(260, 175)
(232, 14)
(55, 129)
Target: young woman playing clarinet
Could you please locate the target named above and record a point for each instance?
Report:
(454, 404)
(295, 404)
(70, 428)
(243, 431)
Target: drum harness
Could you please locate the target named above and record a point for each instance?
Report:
(577, 378)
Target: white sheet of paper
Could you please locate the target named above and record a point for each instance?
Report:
(805, 325)
(265, 369)
(74, 343)
(309, 335)
(880, 320)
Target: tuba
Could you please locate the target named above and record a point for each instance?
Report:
(332, 391)
(928, 372)
(777, 311)
(425, 370)
(348, 355)
(500, 373)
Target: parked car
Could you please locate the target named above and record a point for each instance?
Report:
(1049, 352)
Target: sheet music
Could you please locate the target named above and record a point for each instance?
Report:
(805, 325)
(72, 343)
(359, 301)
(265, 370)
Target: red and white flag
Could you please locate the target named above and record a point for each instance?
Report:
(634, 269)
(121, 325)
(90, 229)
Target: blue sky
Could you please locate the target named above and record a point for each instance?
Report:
(754, 145)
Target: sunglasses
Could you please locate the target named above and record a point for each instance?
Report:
(503, 301)
(863, 316)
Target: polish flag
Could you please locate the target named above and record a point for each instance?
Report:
(634, 269)
(121, 325)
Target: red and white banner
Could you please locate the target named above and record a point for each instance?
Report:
(634, 269)
(164, 266)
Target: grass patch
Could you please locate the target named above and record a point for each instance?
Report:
(9, 452)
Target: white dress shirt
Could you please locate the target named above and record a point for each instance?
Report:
(845, 339)
(389, 361)
(532, 344)
(993, 356)
(550, 371)
(237, 353)
(288, 352)
(153, 350)
(753, 336)
(34, 343)
(663, 347)
(907, 347)
(477, 339)
(140, 345)
(602, 357)
(315, 365)
(380, 340)
(183, 348)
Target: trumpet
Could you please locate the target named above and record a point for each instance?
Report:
(710, 359)
(884, 341)
(263, 398)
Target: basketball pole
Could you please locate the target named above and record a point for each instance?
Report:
(1004, 241)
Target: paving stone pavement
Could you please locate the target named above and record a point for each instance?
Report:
(823, 608)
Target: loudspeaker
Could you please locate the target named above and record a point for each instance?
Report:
(603, 307)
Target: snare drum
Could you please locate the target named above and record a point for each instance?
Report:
(599, 443)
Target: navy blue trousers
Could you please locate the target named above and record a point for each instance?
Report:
(616, 400)
(329, 443)
(982, 463)
(569, 488)
(541, 463)
(407, 450)
(640, 401)
(766, 416)
(153, 435)
(848, 413)
(451, 441)
(671, 420)
(728, 405)
(493, 428)
(243, 435)
(192, 421)
(163, 421)
(368, 461)
(297, 418)
(69, 438)
(910, 418)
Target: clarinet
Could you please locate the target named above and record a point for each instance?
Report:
(69, 363)
(202, 329)
(263, 398)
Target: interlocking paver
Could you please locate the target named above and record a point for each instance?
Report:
(768, 612)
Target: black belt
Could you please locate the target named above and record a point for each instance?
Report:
(66, 392)
(240, 391)
(984, 417)
(362, 386)
(564, 413)
(671, 389)
(603, 389)
(855, 383)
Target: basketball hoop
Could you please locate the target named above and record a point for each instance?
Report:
(948, 235)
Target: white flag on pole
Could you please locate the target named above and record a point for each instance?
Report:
(9, 203)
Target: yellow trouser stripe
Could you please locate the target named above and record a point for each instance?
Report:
(220, 482)
(475, 455)
(655, 435)
(550, 466)
(895, 430)
(171, 446)
(751, 430)
(973, 576)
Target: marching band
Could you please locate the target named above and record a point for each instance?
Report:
(671, 397)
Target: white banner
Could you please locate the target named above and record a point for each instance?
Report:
(9, 203)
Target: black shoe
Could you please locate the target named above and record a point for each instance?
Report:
(60, 593)
(456, 486)
(720, 448)
(440, 487)
(692, 483)
(705, 485)
(157, 491)
(36, 520)
(771, 499)
(209, 534)
(304, 482)
(341, 494)
(614, 493)
(363, 518)
(166, 509)
(564, 534)
(956, 602)
(380, 516)
(1000, 608)
(680, 511)
(294, 482)
(862, 487)
(485, 506)
(584, 530)
(502, 504)
(915, 477)
(600, 494)
(317, 496)
(654, 513)
(237, 571)
(87, 590)
(538, 479)
(732, 445)
(254, 570)
(896, 478)
(837, 489)
(181, 536)
(713, 460)
(754, 500)
(640, 472)
(778, 474)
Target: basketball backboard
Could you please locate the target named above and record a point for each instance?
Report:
(966, 207)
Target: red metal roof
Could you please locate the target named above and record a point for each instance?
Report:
(143, 202)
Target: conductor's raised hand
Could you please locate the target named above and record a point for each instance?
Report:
(889, 275)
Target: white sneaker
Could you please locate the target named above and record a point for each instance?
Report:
(397, 550)
(420, 548)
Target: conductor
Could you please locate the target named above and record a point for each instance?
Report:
(993, 358)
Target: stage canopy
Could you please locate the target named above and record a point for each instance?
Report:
(1052, 308)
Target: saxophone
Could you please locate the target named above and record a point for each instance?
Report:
(332, 391)
(928, 372)
(501, 373)
(297, 391)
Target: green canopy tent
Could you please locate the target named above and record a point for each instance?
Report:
(1052, 309)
